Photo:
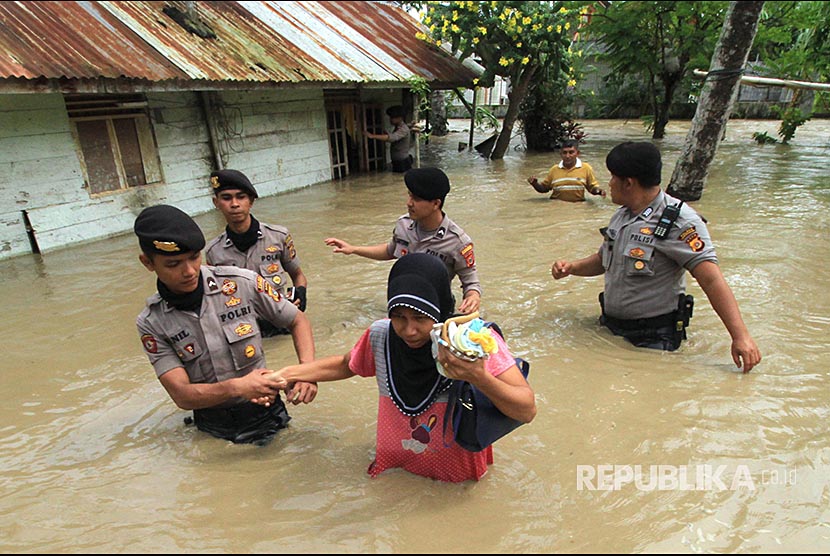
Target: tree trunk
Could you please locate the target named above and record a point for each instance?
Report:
(661, 119)
(716, 100)
(515, 96)
(438, 114)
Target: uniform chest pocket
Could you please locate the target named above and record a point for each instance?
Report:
(245, 342)
(273, 271)
(639, 260)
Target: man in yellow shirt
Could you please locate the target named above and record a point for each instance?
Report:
(569, 179)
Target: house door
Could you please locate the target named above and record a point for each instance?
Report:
(347, 118)
(375, 150)
(338, 143)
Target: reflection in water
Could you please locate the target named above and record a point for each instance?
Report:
(96, 457)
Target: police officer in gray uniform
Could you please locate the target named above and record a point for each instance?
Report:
(266, 249)
(650, 243)
(200, 333)
(398, 139)
(427, 229)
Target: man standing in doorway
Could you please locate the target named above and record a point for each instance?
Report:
(398, 139)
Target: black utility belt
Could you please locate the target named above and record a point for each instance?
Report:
(233, 415)
(651, 323)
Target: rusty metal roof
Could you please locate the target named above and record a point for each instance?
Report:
(216, 43)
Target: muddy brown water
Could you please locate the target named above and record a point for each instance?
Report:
(96, 457)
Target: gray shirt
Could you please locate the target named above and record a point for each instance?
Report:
(223, 340)
(399, 142)
(644, 275)
(272, 256)
(448, 242)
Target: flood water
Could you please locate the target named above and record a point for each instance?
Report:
(96, 457)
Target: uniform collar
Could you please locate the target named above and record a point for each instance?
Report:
(653, 206)
(229, 241)
(440, 232)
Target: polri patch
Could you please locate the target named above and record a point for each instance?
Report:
(150, 343)
(228, 287)
(250, 351)
(686, 233)
(243, 329)
(469, 255)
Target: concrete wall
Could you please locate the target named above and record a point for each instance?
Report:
(278, 138)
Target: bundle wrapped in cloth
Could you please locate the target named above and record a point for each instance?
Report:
(467, 337)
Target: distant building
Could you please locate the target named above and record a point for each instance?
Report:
(108, 107)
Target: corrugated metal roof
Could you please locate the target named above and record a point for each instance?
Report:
(255, 42)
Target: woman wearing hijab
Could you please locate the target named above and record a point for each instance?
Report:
(413, 395)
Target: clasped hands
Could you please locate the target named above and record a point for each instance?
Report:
(268, 384)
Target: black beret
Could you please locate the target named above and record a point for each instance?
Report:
(639, 160)
(166, 230)
(395, 111)
(231, 179)
(427, 183)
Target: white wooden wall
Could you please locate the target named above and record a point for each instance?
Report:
(277, 138)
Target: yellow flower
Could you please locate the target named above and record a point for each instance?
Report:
(476, 40)
(420, 36)
(526, 20)
(572, 83)
(525, 60)
(455, 28)
(455, 16)
(563, 10)
(536, 26)
(427, 20)
(550, 28)
(482, 30)
(519, 29)
(567, 25)
(475, 81)
(438, 43)
(579, 53)
(518, 45)
(558, 28)
(503, 61)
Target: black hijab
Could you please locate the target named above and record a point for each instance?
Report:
(421, 282)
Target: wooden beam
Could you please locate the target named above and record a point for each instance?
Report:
(755, 81)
